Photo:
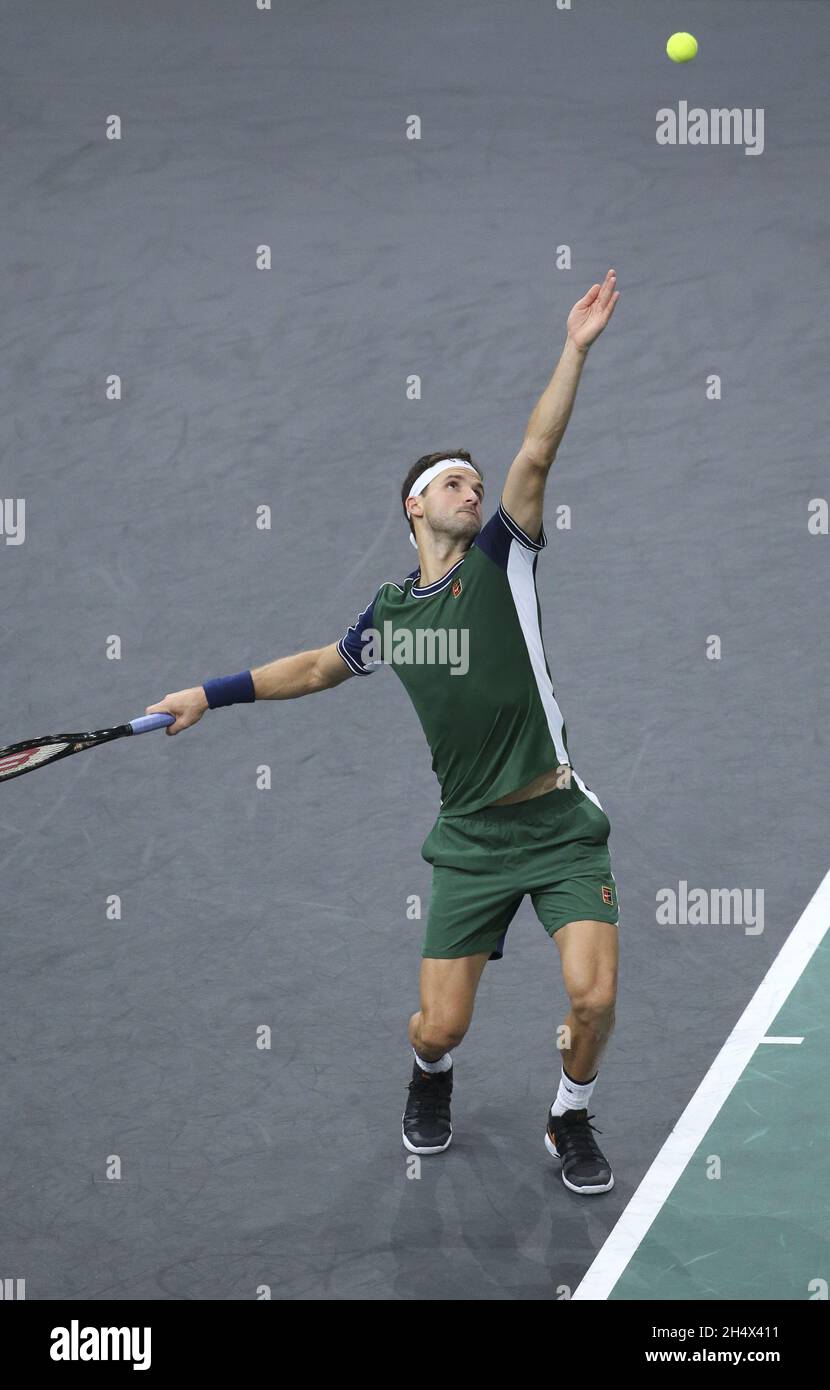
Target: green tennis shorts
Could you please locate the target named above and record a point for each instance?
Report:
(554, 847)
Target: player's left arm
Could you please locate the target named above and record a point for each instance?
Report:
(524, 490)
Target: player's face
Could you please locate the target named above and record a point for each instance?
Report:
(453, 504)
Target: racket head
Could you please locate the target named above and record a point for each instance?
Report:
(25, 757)
(20, 758)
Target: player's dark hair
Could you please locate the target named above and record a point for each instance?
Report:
(426, 462)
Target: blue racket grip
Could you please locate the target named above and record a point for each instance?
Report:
(146, 722)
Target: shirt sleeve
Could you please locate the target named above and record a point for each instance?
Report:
(351, 644)
(501, 532)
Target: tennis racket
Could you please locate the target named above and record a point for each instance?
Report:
(39, 752)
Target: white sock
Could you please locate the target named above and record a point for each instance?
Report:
(572, 1095)
(443, 1064)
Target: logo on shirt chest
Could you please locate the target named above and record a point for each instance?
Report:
(456, 588)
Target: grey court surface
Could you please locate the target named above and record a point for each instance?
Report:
(131, 1045)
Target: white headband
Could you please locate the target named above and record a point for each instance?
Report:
(427, 477)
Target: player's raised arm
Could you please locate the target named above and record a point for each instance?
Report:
(284, 679)
(524, 490)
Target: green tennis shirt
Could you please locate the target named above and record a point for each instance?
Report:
(470, 654)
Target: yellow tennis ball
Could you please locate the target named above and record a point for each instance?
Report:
(682, 48)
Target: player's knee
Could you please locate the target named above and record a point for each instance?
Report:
(595, 1005)
(443, 1033)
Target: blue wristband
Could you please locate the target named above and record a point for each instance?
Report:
(230, 690)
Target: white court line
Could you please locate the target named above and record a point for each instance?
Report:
(781, 1040)
(713, 1091)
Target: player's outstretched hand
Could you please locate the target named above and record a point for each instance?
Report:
(591, 313)
(187, 705)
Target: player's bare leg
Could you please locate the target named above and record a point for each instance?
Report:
(589, 952)
(448, 991)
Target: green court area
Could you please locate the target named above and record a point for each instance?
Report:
(760, 1230)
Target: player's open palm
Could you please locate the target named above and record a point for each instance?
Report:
(187, 705)
(591, 313)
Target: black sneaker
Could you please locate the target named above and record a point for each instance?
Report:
(426, 1127)
(584, 1167)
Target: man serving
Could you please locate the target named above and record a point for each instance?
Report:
(515, 817)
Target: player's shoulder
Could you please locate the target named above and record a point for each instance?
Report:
(400, 583)
(397, 588)
(501, 533)
(365, 626)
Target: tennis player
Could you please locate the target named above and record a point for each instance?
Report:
(463, 633)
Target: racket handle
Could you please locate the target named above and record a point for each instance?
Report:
(146, 722)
